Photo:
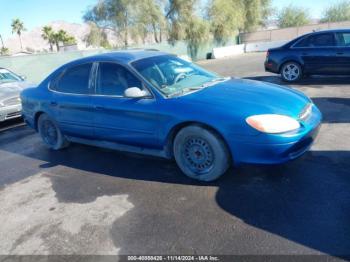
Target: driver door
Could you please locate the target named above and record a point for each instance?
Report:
(130, 121)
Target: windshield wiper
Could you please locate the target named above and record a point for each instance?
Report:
(214, 81)
(204, 85)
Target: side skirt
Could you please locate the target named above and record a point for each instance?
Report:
(120, 147)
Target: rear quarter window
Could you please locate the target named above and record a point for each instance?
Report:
(74, 80)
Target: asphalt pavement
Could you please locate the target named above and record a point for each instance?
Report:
(87, 200)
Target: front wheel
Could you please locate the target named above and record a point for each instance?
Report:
(200, 153)
(291, 72)
(50, 133)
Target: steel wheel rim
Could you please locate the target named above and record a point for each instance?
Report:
(291, 72)
(49, 133)
(198, 155)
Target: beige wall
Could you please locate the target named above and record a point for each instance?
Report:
(288, 33)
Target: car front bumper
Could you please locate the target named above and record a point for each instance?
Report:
(10, 112)
(277, 148)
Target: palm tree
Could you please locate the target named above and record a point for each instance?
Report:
(62, 37)
(2, 42)
(18, 27)
(48, 35)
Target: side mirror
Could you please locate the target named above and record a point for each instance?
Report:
(135, 92)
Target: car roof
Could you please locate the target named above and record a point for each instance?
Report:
(332, 31)
(125, 56)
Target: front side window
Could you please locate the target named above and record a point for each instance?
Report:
(114, 79)
(343, 39)
(172, 75)
(75, 80)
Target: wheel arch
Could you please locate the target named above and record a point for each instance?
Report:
(176, 129)
(36, 119)
(294, 60)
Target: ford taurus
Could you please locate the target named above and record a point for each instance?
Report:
(153, 103)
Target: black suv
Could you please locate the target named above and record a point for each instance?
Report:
(318, 53)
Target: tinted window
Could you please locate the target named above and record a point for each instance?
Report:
(75, 80)
(113, 79)
(319, 40)
(343, 39)
(303, 42)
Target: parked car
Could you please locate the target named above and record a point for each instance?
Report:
(11, 85)
(318, 53)
(154, 103)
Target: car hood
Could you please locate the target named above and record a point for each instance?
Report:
(248, 97)
(12, 89)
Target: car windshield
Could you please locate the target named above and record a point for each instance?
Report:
(7, 76)
(174, 76)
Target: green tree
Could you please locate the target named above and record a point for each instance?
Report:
(227, 17)
(337, 12)
(18, 27)
(97, 37)
(196, 33)
(117, 15)
(256, 13)
(62, 37)
(47, 34)
(149, 19)
(185, 24)
(3, 49)
(291, 16)
(179, 13)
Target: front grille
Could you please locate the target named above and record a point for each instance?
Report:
(306, 112)
(11, 101)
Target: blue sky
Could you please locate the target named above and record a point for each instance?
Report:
(314, 6)
(40, 12)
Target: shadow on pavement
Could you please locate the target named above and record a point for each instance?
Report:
(306, 201)
(334, 110)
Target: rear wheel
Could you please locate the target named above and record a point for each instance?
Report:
(200, 153)
(291, 72)
(50, 133)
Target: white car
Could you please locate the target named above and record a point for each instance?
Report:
(11, 86)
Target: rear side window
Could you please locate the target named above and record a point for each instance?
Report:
(114, 79)
(303, 42)
(343, 39)
(319, 40)
(75, 80)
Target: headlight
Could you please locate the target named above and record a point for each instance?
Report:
(273, 124)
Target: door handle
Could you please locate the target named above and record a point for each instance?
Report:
(305, 53)
(339, 53)
(53, 103)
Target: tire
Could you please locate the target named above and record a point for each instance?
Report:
(291, 72)
(50, 133)
(201, 154)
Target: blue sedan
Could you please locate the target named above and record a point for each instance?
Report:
(153, 103)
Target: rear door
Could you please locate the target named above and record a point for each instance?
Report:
(72, 102)
(318, 52)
